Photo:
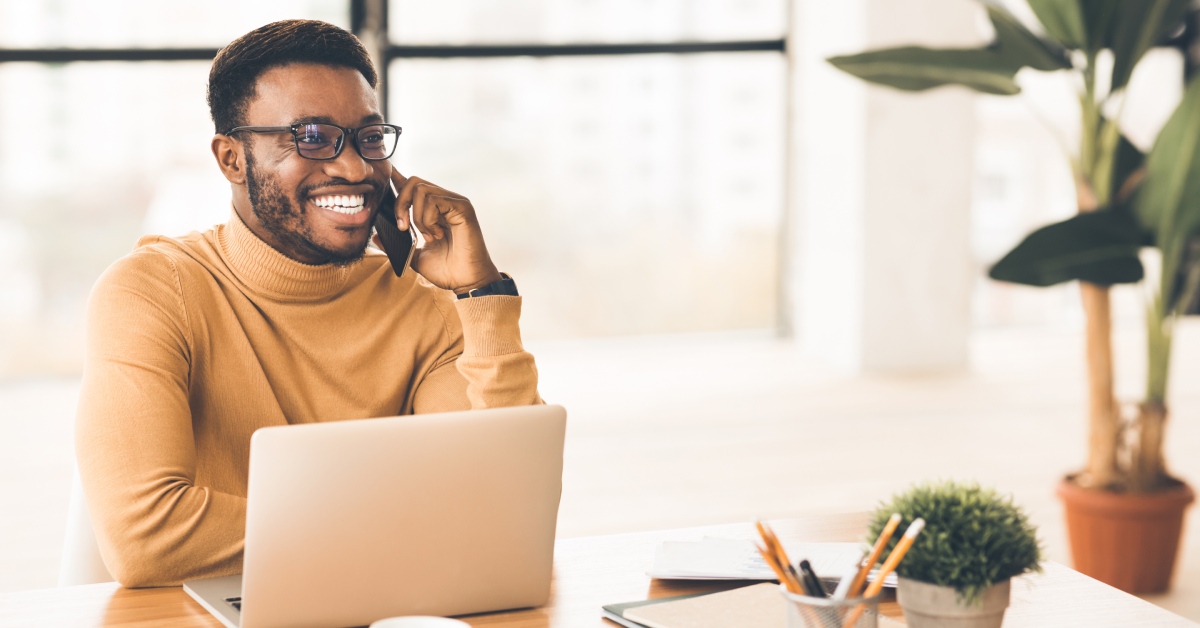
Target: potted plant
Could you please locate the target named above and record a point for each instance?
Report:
(958, 571)
(1124, 509)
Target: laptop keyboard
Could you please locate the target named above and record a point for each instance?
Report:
(235, 602)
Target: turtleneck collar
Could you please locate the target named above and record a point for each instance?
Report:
(274, 274)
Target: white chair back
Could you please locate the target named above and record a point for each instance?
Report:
(81, 561)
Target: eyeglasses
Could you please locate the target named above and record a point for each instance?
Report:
(319, 141)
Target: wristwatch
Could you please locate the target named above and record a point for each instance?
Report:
(505, 286)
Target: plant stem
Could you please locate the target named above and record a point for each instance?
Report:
(1103, 425)
(1158, 350)
(1098, 142)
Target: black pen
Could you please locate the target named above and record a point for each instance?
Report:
(811, 581)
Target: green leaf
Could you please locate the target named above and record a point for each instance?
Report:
(1098, 16)
(1062, 20)
(913, 68)
(1168, 202)
(1099, 247)
(1020, 46)
(1136, 27)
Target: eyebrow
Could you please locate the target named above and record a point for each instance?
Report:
(369, 119)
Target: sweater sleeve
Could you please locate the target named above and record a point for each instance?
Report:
(134, 440)
(486, 365)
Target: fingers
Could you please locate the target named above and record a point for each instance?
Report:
(429, 209)
(433, 208)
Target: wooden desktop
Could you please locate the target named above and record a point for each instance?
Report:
(592, 571)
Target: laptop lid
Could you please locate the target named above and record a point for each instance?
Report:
(435, 514)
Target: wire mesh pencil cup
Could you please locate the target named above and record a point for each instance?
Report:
(823, 612)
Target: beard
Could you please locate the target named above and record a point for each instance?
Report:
(284, 218)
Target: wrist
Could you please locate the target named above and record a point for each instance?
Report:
(486, 281)
(503, 285)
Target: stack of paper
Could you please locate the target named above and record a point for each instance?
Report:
(729, 559)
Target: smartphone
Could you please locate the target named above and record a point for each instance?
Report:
(399, 245)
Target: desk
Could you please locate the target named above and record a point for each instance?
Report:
(593, 571)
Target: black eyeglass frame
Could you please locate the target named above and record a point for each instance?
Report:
(338, 145)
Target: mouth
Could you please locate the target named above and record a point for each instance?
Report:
(346, 204)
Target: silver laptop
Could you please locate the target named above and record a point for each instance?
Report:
(435, 514)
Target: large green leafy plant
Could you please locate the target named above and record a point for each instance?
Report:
(1127, 200)
(973, 537)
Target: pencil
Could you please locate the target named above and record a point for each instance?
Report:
(889, 565)
(775, 547)
(895, 557)
(864, 570)
(772, 541)
(769, 558)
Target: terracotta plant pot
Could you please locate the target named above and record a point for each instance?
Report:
(1127, 540)
(934, 606)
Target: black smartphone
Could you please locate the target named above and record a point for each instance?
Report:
(398, 245)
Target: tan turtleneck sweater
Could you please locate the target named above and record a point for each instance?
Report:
(195, 342)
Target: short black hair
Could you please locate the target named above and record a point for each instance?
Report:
(235, 71)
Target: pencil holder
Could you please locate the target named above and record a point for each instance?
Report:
(823, 612)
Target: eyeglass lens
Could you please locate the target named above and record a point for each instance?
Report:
(324, 141)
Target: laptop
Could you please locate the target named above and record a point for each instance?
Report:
(350, 522)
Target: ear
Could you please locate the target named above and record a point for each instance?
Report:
(231, 158)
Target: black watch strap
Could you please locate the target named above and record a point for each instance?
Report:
(505, 286)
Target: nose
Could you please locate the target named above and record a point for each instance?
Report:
(349, 165)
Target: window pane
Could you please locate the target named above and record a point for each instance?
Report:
(149, 23)
(625, 195)
(590, 21)
(103, 153)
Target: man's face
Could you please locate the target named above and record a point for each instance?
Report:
(308, 209)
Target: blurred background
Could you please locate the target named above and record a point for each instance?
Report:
(737, 263)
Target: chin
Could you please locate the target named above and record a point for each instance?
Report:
(347, 253)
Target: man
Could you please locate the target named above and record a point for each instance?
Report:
(280, 315)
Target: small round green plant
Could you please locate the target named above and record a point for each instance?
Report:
(973, 536)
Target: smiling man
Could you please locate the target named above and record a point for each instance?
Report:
(282, 315)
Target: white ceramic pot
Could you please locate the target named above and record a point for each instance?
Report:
(933, 606)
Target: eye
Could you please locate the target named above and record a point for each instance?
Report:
(371, 136)
(314, 135)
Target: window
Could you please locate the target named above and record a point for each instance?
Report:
(627, 192)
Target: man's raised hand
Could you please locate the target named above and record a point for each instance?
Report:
(454, 257)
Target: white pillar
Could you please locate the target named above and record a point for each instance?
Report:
(880, 271)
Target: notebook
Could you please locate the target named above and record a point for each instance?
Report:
(616, 612)
(755, 606)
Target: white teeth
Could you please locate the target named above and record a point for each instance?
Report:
(342, 204)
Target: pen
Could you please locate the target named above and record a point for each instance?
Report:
(860, 578)
(816, 589)
(889, 565)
